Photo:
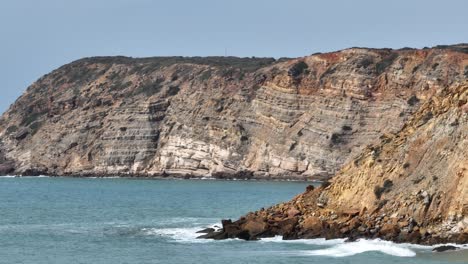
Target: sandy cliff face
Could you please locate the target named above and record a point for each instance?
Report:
(410, 187)
(296, 118)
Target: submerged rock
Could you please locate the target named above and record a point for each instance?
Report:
(445, 248)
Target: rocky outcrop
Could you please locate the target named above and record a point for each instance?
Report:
(222, 117)
(6, 166)
(410, 187)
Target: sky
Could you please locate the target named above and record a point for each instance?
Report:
(39, 36)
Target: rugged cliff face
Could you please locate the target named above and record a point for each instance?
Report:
(223, 117)
(410, 187)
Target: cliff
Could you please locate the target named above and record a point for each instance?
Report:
(223, 117)
(410, 187)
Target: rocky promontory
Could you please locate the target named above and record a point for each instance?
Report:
(412, 186)
(220, 117)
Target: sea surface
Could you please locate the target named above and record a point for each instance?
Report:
(118, 220)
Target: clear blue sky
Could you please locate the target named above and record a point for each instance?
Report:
(37, 36)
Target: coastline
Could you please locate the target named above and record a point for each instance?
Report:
(304, 217)
(171, 176)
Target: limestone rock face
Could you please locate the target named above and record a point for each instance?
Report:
(222, 117)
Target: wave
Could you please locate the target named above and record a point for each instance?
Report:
(181, 235)
(330, 248)
(361, 246)
(316, 241)
(177, 234)
(340, 248)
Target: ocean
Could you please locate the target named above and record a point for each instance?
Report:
(120, 220)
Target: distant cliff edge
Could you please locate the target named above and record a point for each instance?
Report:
(225, 117)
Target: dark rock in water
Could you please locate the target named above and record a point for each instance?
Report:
(351, 239)
(245, 235)
(444, 248)
(226, 222)
(206, 231)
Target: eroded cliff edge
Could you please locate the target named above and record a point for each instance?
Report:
(410, 187)
(224, 117)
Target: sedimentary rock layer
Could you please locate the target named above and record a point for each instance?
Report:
(410, 187)
(297, 118)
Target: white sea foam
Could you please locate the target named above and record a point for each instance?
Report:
(19, 176)
(317, 241)
(339, 248)
(333, 247)
(182, 235)
(361, 246)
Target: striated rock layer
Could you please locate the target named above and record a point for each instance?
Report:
(220, 116)
(410, 187)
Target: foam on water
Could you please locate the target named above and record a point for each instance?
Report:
(361, 246)
(331, 248)
(342, 249)
(317, 241)
(181, 235)
(19, 176)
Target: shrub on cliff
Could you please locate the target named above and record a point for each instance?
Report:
(379, 190)
(150, 88)
(413, 100)
(298, 69)
(385, 62)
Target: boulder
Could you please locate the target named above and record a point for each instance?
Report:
(287, 225)
(312, 227)
(254, 226)
(444, 248)
(354, 223)
(389, 231)
(293, 212)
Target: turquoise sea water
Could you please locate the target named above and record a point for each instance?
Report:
(71, 220)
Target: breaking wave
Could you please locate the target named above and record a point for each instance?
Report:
(339, 248)
(363, 245)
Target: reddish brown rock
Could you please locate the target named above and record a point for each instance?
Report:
(389, 231)
(254, 226)
(293, 212)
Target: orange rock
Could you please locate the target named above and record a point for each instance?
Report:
(254, 226)
(313, 224)
(293, 212)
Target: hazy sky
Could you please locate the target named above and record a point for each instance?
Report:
(37, 36)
